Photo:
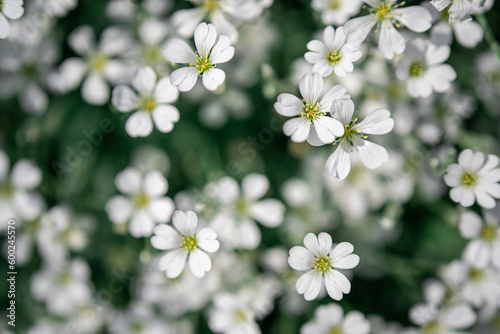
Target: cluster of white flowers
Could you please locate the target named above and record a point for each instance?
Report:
(374, 67)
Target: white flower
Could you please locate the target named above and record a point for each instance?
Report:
(333, 54)
(336, 12)
(152, 103)
(63, 288)
(468, 35)
(203, 61)
(433, 320)
(145, 204)
(99, 65)
(330, 319)
(218, 12)
(474, 178)
(460, 10)
(377, 122)
(423, 70)
(235, 220)
(484, 248)
(477, 286)
(17, 196)
(184, 243)
(387, 16)
(320, 261)
(313, 119)
(232, 315)
(12, 9)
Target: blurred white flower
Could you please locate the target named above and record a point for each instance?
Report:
(184, 243)
(433, 320)
(477, 286)
(234, 221)
(333, 53)
(64, 288)
(384, 14)
(336, 12)
(221, 13)
(423, 70)
(210, 52)
(474, 178)
(330, 319)
(151, 105)
(321, 262)
(484, 248)
(62, 231)
(12, 9)
(17, 196)
(459, 10)
(144, 205)
(372, 155)
(313, 119)
(99, 66)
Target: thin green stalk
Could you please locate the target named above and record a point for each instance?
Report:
(488, 33)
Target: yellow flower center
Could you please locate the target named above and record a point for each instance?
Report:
(189, 243)
(6, 190)
(98, 63)
(383, 11)
(311, 112)
(334, 4)
(141, 200)
(334, 58)
(242, 206)
(476, 275)
(469, 179)
(64, 278)
(335, 331)
(416, 70)
(203, 64)
(152, 55)
(489, 232)
(322, 264)
(431, 327)
(148, 103)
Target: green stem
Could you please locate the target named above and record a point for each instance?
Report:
(488, 33)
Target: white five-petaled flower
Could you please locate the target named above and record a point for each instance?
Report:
(477, 286)
(336, 12)
(388, 16)
(12, 9)
(333, 53)
(98, 64)
(329, 319)
(152, 103)
(423, 70)
(203, 61)
(460, 10)
(474, 178)
(372, 155)
(240, 208)
(183, 244)
(313, 112)
(321, 260)
(484, 248)
(145, 204)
